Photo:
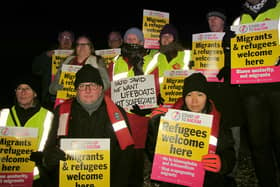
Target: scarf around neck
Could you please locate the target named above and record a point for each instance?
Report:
(255, 10)
(92, 107)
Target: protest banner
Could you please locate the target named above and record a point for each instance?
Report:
(171, 88)
(255, 53)
(108, 54)
(58, 57)
(87, 162)
(183, 138)
(138, 90)
(67, 79)
(16, 146)
(153, 22)
(208, 54)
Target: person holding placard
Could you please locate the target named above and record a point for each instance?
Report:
(170, 56)
(83, 54)
(220, 159)
(261, 101)
(130, 64)
(91, 114)
(27, 112)
(42, 66)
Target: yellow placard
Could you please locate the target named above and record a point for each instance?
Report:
(182, 140)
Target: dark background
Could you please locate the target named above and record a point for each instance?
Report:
(29, 28)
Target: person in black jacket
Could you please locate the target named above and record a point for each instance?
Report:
(91, 115)
(261, 101)
(226, 95)
(196, 99)
(42, 66)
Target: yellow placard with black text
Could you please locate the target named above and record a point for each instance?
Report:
(87, 163)
(58, 57)
(16, 146)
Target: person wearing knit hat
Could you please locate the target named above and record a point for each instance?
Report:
(89, 85)
(169, 29)
(27, 112)
(195, 82)
(170, 45)
(133, 50)
(129, 64)
(28, 80)
(91, 114)
(220, 159)
(134, 35)
(196, 85)
(216, 13)
(88, 73)
(226, 96)
(26, 91)
(172, 55)
(216, 21)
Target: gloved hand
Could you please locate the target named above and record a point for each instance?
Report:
(226, 39)
(277, 62)
(191, 64)
(212, 162)
(52, 156)
(160, 100)
(223, 73)
(159, 110)
(141, 112)
(138, 63)
(36, 157)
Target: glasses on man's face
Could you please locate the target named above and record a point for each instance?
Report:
(115, 39)
(91, 86)
(66, 37)
(21, 89)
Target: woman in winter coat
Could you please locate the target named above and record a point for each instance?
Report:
(221, 150)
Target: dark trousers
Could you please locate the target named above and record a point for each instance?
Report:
(136, 178)
(262, 110)
(227, 101)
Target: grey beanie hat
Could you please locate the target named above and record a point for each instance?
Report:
(136, 31)
(216, 13)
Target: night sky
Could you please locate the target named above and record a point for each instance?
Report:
(29, 28)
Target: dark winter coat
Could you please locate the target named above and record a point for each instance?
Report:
(41, 67)
(97, 125)
(225, 149)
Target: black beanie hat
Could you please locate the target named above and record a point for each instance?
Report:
(28, 79)
(195, 82)
(169, 29)
(88, 73)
